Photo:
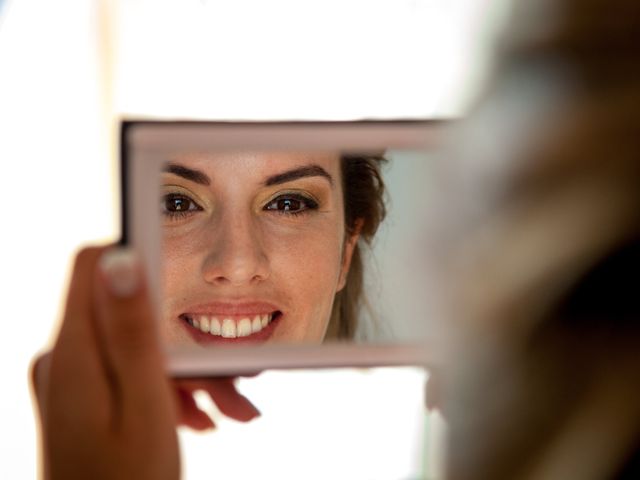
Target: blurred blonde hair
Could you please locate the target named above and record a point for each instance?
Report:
(543, 375)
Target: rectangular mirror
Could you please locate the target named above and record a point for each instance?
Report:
(265, 244)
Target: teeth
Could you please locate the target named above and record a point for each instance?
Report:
(229, 328)
(204, 324)
(214, 326)
(244, 327)
(256, 324)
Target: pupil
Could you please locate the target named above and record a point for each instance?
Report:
(176, 204)
(288, 205)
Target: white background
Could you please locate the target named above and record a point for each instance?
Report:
(68, 68)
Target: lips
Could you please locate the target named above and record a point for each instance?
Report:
(231, 323)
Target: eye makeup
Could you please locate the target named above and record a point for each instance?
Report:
(179, 203)
(291, 203)
(184, 197)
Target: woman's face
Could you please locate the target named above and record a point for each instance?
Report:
(254, 247)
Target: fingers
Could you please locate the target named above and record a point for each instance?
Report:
(224, 394)
(69, 382)
(128, 325)
(189, 414)
(106, 404)
(230, 401)
(75, 360)
(124, 312)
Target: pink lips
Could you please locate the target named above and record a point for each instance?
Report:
(232, 309)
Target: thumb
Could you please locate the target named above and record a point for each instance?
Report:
(129, 331)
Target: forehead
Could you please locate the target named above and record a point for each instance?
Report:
(256, 167)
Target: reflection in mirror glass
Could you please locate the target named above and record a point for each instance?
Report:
(302, 247)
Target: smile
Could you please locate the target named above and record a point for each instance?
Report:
(230, 326)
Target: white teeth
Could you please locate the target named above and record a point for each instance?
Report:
(256, 324)
(204, 324)
(244, 327)
(214, 326)
(228, 328)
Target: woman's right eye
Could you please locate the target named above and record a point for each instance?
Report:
(176, 205)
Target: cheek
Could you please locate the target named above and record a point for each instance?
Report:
(181, 261)
(305, 265)
(311, 257)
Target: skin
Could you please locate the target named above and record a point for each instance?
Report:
(106, 408)
(259, 237)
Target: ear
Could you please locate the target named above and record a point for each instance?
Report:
(350, 243)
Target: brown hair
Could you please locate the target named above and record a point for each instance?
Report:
(364, 208)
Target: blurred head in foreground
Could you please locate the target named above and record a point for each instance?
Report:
(546, 252)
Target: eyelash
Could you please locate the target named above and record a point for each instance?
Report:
(308, 204)
(175, 215)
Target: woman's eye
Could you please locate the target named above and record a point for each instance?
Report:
(174, 204)
(291, 204)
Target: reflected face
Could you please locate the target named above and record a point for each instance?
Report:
(254, 247)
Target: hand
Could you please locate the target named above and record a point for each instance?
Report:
(107, 409)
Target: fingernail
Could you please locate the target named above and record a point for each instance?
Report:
(121, 269)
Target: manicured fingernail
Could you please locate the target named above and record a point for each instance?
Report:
(121, 269)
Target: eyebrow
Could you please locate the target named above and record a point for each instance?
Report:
(300, 172)
(188, 173)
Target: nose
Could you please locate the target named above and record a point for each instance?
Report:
(236, 255)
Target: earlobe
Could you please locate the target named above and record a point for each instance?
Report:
(350, 243)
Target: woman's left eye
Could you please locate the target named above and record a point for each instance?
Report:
(291, 204)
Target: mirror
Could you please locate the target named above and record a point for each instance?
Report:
(262, 234)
